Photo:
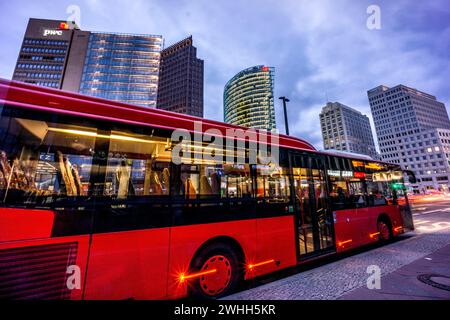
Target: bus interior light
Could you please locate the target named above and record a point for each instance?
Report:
(96, 135)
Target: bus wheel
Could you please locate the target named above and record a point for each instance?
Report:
(221, 271)
(384, 230)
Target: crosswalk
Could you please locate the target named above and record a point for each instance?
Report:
(428, 226)
(422, 212)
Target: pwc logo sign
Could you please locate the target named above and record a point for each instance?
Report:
(50, 32)
(57, 32)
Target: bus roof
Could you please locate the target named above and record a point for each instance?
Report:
(53, 100)
(348, 155)
(361, 157)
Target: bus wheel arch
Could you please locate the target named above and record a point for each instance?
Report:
(223, 254)
(384, 227)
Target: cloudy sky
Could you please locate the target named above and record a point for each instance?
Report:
(321, 50)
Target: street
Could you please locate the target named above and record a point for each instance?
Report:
(426, 250)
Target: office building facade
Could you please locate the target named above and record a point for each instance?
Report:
(412, 129)
(113, 66)
(248, 99)
(122, 67)
(346, 129)
(44, 53)
(180, 86)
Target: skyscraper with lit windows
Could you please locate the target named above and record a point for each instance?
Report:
(44, 53)
(346, 129)
(180, 87)
(114, 66)
(122, 67)
(248, 99)
(413, 131)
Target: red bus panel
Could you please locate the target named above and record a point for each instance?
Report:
(25, 224)
(128, 265)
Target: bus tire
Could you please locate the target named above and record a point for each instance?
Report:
(384, 227)
(221, 282)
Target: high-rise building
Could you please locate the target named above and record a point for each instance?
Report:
(181, 79)
(44, 53)
(346, 129)
(248, 99)
(413, 131)
(120, 67)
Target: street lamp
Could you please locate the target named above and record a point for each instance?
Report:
(285, 113)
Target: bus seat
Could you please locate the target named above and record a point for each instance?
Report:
(77, 180)
(165, 180)
(4, 166)
(215, 183)
(71, 179)
(155, 184)
(189, 189)
(205, 187)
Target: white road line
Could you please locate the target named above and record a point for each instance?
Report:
(421, 222)
(438, 226)
(430, 212)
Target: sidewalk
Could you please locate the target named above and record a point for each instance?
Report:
(403, 284)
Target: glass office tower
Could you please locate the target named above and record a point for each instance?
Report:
(122, 67)
(248, 99)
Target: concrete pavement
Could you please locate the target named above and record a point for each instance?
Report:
(404, 283)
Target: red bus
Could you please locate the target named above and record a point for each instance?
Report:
(93, 207)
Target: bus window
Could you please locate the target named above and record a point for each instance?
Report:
(42, 160)
(201, 180)
(190, 181)
(237, 181)
(378, 191)
(347, 191)
(273, 183)
(215, 180)
(138, 165)
(210, 180)
(385, 184)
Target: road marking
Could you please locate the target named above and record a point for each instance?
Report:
(421, 222)
(438, 226)
(430, 212)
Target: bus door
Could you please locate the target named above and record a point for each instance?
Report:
(314, 218)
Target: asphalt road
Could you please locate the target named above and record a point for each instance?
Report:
(337, 277)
